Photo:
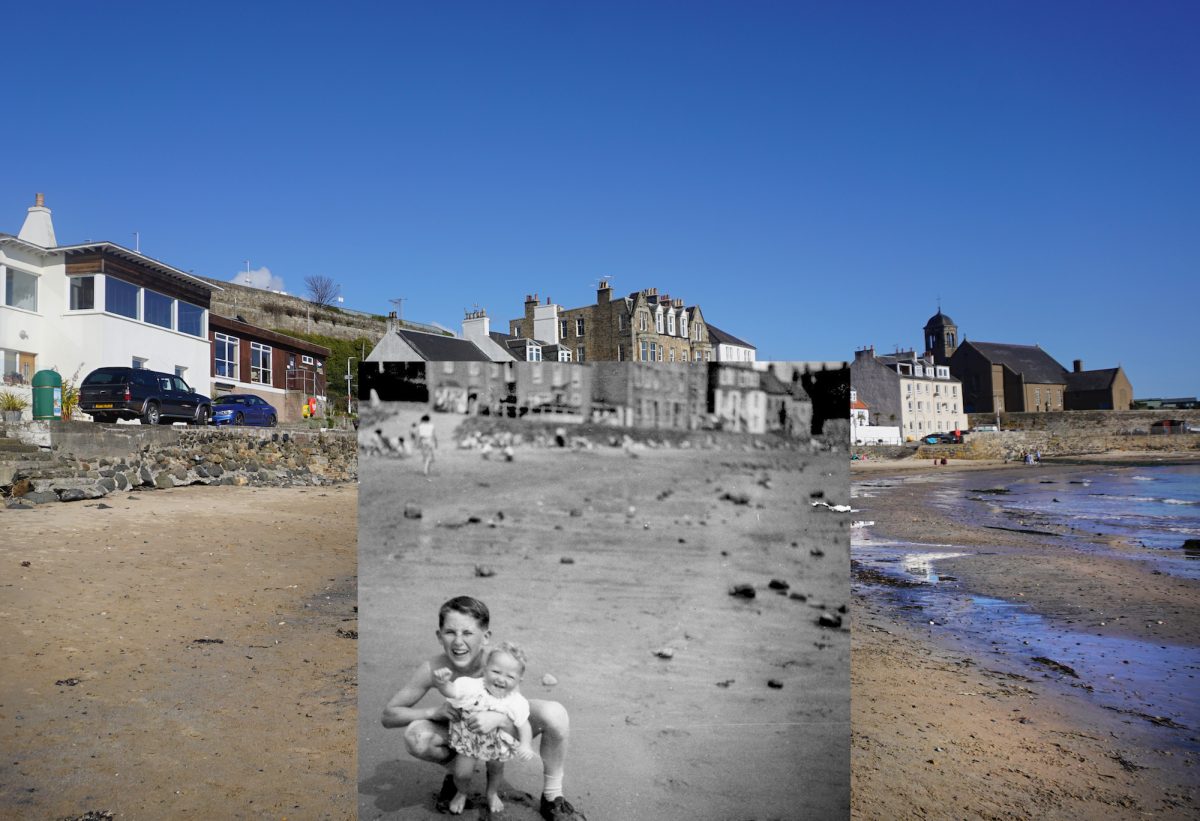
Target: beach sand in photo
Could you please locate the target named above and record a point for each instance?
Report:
(176, 654)
(601, 558)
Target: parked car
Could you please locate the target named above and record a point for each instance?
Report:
(108, 394)
(943, 439)
(244, 409)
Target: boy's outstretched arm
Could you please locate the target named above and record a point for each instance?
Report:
(400, 711)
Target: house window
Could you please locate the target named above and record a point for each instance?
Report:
(307, 360)
(291, 361)
(671, 323)
(120, 298)
(260, 363)
(448, 367)
(644, 351)
(578, 327)
(641, 320)
(683, 325)
(225, 353)
(671, 357)
(658, 321)
(660, 352)
(83, 293)
(534, 353)
(683, 355)
(620, 322)
(653, 351)
(620, 353)
(535, 373)
(20, 290)
(191, 318)
(579, 354)
(157, 308)
(562, 329)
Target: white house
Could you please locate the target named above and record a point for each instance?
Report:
(729, 348)
(862, 432)
(74, 308)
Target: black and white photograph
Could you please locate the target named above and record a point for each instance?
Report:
(640, 570)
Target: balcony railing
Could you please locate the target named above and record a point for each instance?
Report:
(311, 383)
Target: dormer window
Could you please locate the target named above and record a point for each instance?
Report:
(658, 320)
(683, 325)
(671, 323)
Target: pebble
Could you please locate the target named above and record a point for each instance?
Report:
(566, 560)
(549, 680)
(483, 571)
(745, 591)
(829, 620)
(665, 653)
(775, 684)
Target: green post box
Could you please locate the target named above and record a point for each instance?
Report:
(47, 395)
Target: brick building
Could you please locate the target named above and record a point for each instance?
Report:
(644, 326)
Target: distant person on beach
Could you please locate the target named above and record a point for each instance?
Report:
(426, 441)
(497, 691)
(463, 633)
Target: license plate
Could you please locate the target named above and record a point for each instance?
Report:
(109, 405)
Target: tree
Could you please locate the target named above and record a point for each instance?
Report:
(322, 290)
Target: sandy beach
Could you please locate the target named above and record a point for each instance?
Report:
(653, 549)
(953, 714)
(175, 654)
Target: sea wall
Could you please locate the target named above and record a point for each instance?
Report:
(88, 461)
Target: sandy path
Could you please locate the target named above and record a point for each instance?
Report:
(158, 724)
(650, 738)
(947, 730)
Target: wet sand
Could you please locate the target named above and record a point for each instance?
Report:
(701, 735)
(951, 720)
(115, 693)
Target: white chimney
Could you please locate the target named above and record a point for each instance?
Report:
(476, 326)
(38, 227)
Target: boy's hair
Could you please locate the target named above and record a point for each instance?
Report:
(468, 607)
(511, 649)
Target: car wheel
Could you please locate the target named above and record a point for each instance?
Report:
(272, 422)
(153, 415)
(202, 414)
(239, 419)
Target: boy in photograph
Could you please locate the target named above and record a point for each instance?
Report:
(463, 633)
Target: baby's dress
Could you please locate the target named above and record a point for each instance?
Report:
(470, 696)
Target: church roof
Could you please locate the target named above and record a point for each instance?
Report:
(1031, 362)
(1097, 380)
(939, 319)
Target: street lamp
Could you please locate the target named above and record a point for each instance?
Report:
(349, 393)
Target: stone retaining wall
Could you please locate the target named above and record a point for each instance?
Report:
(101, 459)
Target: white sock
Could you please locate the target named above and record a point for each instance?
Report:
(553, 787)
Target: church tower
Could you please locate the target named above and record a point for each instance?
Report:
(941, 337)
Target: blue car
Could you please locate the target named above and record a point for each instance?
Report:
(243, 409)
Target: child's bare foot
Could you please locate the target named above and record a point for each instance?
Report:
(458, 803)
(495, 804)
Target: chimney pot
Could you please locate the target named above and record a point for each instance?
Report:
(1078, 365)
(40, 201)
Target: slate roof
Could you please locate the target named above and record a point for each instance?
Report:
(438, 348)
(719, 337)
(772, 384)
(1034, 364)
(1097, 380)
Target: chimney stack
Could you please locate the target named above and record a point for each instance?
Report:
(38, 227)
(1078, 365)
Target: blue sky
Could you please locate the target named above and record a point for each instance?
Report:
(814, 176)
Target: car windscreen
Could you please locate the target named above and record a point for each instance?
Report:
(106, 377)
(232, 400)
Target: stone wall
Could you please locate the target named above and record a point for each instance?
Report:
(293, 314)
(1100, 422)
(89, 461)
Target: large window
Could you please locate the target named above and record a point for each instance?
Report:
(260, 363)
(121, 298)
(644, 348)
(225, 351)
(20, 289)
(579, 354)
(158, 308)
(83, 293)
(562, 329)
(578, 327)
(191, 318)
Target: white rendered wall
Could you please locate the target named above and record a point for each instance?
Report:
(545, 323)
